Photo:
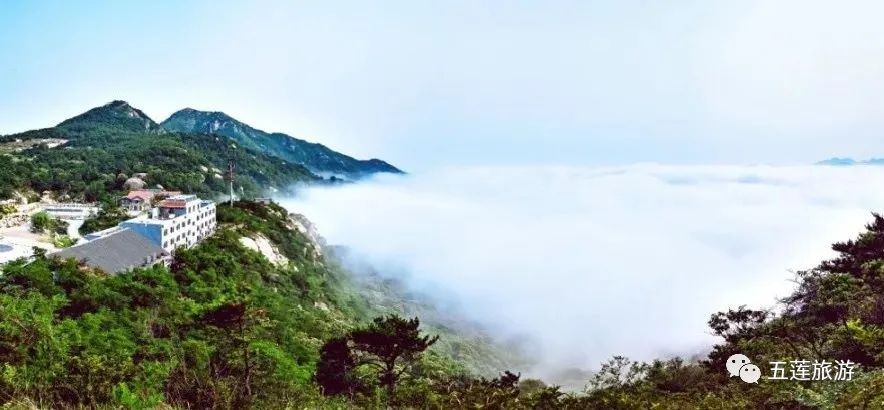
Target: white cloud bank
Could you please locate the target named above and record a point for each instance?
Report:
(592, 262)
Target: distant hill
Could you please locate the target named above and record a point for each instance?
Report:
(835, 161)
(107, 144)
(316, 157)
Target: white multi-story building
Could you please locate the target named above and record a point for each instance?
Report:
(177, 221)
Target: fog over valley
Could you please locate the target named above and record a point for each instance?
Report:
(591, 262)
(442, 205)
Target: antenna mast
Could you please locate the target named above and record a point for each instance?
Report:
(230, 175)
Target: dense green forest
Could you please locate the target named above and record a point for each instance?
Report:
(91, 167)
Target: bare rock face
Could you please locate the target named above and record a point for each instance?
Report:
(134, 183)
(304, 226)
(265, 247)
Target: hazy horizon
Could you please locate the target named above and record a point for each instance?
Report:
(424, 86)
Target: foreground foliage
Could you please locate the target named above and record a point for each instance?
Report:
(224, 327)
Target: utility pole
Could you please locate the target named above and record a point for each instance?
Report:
(231, 165)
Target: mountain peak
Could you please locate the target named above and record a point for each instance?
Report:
(115, 114)
(118, 104)
(191, 113)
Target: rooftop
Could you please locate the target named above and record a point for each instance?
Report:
(143, 195)
(116, 252)
(149, 221)
(102, 233)
(178, 201)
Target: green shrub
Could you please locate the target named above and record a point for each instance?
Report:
(41, 222)
(63, 241)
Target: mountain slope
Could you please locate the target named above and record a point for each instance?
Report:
(316, 157)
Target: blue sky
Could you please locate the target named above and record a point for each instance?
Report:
(428, 84)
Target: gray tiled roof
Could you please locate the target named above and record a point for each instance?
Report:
(116, 252)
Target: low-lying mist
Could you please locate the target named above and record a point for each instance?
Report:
(592, 262)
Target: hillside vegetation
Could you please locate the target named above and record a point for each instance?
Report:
(316, 157)
(100, 156)
(220, 325)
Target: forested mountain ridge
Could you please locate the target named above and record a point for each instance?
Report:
(90, 156)
(316, 157)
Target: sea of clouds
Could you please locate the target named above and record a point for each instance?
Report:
(589, 262)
